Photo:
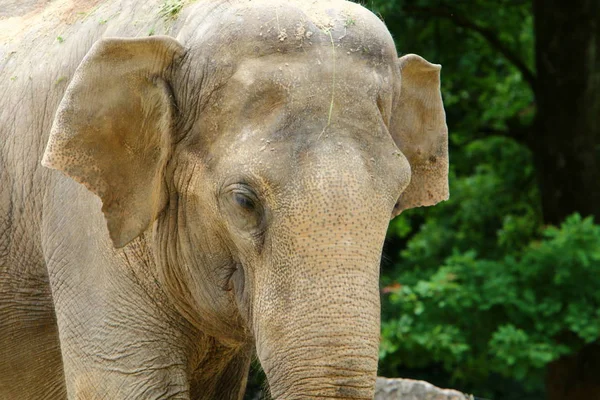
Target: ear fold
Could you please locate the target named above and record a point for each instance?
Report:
(418, 126)
(112, 130)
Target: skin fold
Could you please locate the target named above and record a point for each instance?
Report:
(181, 191)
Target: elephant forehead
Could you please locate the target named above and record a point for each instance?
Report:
(277, 109)
(299, 102)
(292, 77)
(262, 27)
(309, 80)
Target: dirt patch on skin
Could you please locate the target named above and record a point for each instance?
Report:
(15, 8)
(18, 17)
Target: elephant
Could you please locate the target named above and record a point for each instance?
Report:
(186, 186)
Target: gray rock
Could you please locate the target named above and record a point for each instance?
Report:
(408, 389)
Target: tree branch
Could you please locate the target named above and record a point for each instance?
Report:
(487, 34)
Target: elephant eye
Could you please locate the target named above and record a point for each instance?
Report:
(243, 208)
(244, 201)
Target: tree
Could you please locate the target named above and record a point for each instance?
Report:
(566, 140)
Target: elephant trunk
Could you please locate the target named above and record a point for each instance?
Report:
(317, 311)
(324, 340)
(329, 346)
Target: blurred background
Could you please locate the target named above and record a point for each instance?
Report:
(496, 292)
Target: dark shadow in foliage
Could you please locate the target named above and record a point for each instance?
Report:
(257, 388)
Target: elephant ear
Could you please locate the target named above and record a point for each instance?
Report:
(418, 126)
(113, 128)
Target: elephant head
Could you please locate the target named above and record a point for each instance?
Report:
(263, 152)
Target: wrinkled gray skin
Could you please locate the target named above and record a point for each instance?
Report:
(173, 204)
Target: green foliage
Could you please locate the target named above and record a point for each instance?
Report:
(509, 315)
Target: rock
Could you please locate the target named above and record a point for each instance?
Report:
(408, 389)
